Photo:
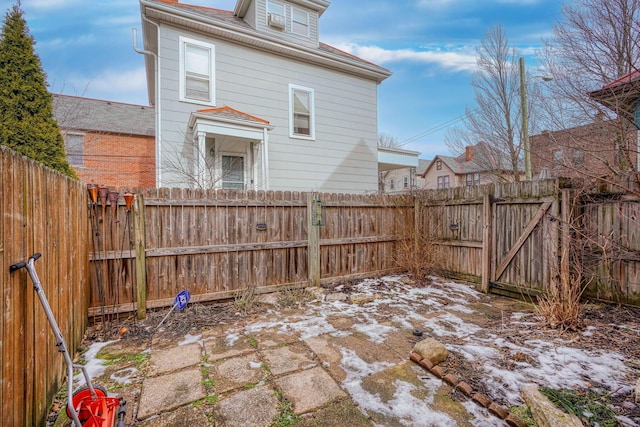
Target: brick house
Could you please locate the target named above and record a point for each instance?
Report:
(108, 143)
(602, 147)
(589, 150)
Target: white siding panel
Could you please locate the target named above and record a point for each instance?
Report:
(342, 158)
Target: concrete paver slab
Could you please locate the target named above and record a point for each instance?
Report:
(233, 344)
(166, 392)
(189, 415)
(369, 351)
(282, 360)
(255, 407)
(328, 354)
(236, 372)
(174, 358)
(310, 389)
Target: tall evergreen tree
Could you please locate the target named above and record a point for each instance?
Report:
(27, 124)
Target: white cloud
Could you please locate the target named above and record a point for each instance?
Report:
(114, 85)
(455, 60)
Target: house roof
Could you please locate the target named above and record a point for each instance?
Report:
(422, 166)
(620, 95)
(225, 25)
(483, 160)
(87, 114)
(231, 114)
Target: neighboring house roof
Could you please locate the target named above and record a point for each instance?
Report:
(94, 115)
(475, 159)
(620, 95)
(422, 166)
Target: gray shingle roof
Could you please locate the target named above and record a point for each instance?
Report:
(86, 114)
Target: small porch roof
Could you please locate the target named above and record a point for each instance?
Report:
(228, 121)
(394, 158)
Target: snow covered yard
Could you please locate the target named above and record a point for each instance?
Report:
(362, 332)
(496, 344)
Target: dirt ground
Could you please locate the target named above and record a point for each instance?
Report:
(612, 327)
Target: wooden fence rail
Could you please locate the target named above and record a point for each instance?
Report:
(218, 243)
(41, 211)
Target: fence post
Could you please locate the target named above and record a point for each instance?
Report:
(313, 251)
(141, 261)
(486, 242)
(565, 233)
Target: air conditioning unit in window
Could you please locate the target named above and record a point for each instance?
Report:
(276, 20)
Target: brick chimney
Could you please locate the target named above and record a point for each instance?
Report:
(468, 153)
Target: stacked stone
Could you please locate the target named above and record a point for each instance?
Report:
(429, 353)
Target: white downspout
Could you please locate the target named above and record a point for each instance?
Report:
(156, 71)
(265, 158)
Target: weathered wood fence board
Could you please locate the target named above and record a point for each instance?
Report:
(40, 211)
(613, 224)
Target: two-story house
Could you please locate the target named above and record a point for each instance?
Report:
(251, 99)
(477, 165)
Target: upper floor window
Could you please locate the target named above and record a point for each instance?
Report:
(276, 15)
(392, 184)
(275, 8)
(557, 156)
(300, 22)
(197, 71)
(74, 147)
(443, 181)
(439, 165)
(301, 112)
(405, 182)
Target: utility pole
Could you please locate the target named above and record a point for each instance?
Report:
(525, 122)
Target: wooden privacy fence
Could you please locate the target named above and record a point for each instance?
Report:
(42, 211)
(502, 236)
(508, 238)
(218, 243)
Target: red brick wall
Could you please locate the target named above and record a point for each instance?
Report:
(118, 161)
(584, 151)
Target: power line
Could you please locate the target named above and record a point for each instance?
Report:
(438, 127)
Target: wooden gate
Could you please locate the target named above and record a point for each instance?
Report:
(504, 236)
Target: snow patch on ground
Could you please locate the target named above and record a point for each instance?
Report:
(93, 366)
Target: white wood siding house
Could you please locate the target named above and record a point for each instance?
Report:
(251, 99)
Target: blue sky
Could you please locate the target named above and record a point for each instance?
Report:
(429, 45)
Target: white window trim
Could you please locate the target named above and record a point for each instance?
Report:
(312, 113)
(212, 76)
(284, 12)
(294, 9)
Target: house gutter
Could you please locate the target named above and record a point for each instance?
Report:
(156, 101)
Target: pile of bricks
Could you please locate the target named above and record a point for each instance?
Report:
(481, 399)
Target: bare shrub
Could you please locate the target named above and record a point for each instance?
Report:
(414, 251)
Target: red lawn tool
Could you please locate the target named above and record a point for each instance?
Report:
(89, 406)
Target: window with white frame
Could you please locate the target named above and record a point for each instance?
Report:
(443, 181)
(301, 112)
(300, 22)
(391, 184)
(405, 182)
(275, 8)
(197, 72)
